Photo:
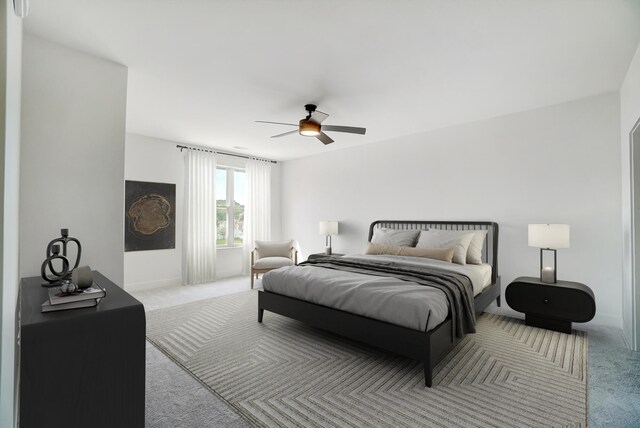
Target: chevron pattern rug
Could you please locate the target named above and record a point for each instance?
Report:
(282, 373)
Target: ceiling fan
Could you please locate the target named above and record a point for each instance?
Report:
(311, 126)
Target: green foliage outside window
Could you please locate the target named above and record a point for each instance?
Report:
(230, 188)
(221, 222)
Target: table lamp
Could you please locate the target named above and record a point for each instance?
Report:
(549, 237)
(328, 228)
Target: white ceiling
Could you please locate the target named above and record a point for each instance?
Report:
(201, 71)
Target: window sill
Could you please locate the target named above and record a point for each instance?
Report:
(226, 247)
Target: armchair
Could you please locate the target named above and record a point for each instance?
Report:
(269, 255)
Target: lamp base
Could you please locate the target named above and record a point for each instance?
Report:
(548, 275)
(327, 251)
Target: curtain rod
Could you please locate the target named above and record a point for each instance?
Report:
(223, 153)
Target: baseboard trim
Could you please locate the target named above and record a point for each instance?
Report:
(606, 320)
(625, 339)
(628, 340)
(148, 285)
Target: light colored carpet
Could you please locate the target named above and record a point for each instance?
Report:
(176, 400)
(283, 373)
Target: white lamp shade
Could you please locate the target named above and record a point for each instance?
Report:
(549, 235)
(328, 227)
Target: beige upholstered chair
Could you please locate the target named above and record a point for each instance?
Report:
(269, 255)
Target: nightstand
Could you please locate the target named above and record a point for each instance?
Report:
(320, 255)
(551, 306)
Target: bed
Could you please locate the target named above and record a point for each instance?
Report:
(291, 294)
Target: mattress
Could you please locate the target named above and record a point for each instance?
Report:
(388, 299)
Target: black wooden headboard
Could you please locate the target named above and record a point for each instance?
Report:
(489, 249)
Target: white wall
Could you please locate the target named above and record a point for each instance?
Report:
(72, 167)
(152, 159)
(10, 70)
(559, 164)
(629, 114)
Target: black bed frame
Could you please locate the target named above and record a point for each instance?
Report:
(428, 347)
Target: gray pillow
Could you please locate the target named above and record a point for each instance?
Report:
(395, 238)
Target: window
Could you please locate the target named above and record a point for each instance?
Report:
(231, 198)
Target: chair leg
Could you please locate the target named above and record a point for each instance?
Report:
(252, 280)
(498, 301)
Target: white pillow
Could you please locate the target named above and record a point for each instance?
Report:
(394, 237)
(474, 252)
(458, 240)
(274, 248)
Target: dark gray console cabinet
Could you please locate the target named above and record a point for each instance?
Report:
(81, 367)
(551, 306)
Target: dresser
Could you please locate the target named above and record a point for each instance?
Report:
(81, 367)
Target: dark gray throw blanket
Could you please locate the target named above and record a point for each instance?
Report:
(457, 287)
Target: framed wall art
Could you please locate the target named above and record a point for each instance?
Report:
(150, 216)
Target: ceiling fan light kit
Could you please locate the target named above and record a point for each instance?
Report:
(311, 126)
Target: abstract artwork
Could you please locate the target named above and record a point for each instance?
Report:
(150, 216)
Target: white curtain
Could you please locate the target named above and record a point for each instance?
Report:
(257, 213)
(199, 231)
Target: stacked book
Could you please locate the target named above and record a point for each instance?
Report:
(84, 298)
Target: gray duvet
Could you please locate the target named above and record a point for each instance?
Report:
(406, 291)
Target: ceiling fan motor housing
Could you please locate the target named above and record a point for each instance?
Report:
(309, 128)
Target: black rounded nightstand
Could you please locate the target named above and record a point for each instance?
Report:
(551, 306)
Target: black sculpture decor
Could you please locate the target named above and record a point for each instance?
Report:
(56, 277)
(53, 253)
(64, 240)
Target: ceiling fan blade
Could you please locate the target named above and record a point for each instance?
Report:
(318, 116)
(324, 138)
(276, 123)
(285, 133)
(349, 129)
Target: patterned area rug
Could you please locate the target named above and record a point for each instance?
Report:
(283, 373)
